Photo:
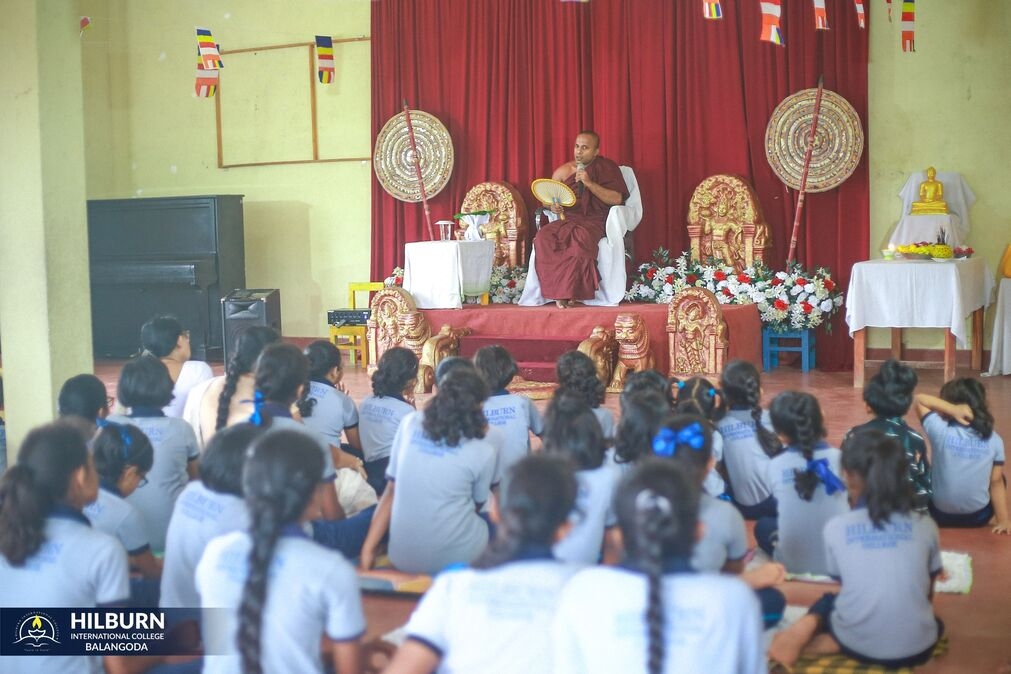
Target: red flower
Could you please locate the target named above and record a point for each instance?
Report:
(511, 284)
(776, 281)
(727, 292)
(806, 307)
(651, 274)
(670, 278)
(691, 279)
(829, 284)
(743, 278)
(720, 276)
(801, 281)
(781, 305)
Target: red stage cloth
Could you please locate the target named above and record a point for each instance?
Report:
(744, 327)
(673, 95)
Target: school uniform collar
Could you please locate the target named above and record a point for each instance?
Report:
(861, 504)
(500, 392)
(65, 512)
(275, 410)
(822, 444)
(141, 411)
(293, 530)
(110, 487)
(668, 566)
(534, 552)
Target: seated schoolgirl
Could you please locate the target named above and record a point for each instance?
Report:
(650, 380)
(888, 396)
(570, 433)
(687, 439)
(698, 396)
(440, 474)
(805, 482)
(144, 389)
(886, 558)
(514, 415)
(293, 605)
(84, 397)
(50, 555)
(969, 485)
(577, 375)
(206, 509)
(654, 614)
(380, 414)
(642, 413)
(748, 440)
(123, 456)
(165, 338)
(228, 400)
(328, 408)
(497, 616)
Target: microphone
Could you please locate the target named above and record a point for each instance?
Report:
(580, 166)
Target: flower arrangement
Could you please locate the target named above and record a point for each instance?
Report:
(787, 300)
(924, 249)
(507, 284)
(396, 277)
(961, 252)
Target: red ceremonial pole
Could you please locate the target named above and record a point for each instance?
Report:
(807, 165)
(417, 170)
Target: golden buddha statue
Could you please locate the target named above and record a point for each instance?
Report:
(931, 197)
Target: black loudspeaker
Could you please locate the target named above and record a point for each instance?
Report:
(243, 308)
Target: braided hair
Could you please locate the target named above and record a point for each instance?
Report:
(741, 386)
(686, 439)
(968, 391)
(278, 481)
(797, 416)
(642, 413)
(281, 371)
(323, 356)
(538, 500)
(880, 462)
(395, 369)
(248, 346)
(572, 431)
(456, 413)
(119, 446)
(698, 396)
(48, 458)
(578, 375)
(657, 507)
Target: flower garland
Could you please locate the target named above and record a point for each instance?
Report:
(396, 277)
(795, 299)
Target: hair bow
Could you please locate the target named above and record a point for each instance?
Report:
(667, 441)
(124, 435)
(681, 385)
(256, 418)
(648, 499)
(825, 475)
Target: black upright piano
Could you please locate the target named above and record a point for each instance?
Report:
(168, 255)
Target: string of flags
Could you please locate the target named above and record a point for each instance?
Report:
(820, 15)
(861, 19)
(771, 13)
(208, 63)
(324, 58)
(712, 10)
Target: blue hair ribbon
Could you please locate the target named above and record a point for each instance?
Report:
(825, 475)
(124, 435)
(681, 384)
(667, 441)
(256, 418)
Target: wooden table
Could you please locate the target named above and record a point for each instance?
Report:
(902, 294)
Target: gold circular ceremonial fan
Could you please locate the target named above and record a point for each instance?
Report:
(550, 192)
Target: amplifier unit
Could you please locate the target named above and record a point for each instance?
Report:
(341, 317)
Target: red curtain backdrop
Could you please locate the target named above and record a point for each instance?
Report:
(673, 95)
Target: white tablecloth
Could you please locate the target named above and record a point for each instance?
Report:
(1000, 347)
(917, 294)
(917, 228)
(438, 274)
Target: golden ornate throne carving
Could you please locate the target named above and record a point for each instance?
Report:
(508, 225)
(725, 222)
(634, 354)
(696, 334)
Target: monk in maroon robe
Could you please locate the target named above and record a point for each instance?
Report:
(566, 250)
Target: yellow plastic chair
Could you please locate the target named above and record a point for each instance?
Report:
(352, 338)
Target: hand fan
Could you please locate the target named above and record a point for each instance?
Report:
(553, 192)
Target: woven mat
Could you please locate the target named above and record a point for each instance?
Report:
(840, 664)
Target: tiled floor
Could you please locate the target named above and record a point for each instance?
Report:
(979, 624)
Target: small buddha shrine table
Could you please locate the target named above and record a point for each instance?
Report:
(917, 228)
(901, 294)
(439, 274)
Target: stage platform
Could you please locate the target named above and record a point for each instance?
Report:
(744, 327)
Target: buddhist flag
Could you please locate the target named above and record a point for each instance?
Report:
(861, 18)
(712, 10)
(889, 3)
(771, 11)
(820, 16)
(207, 80)
(210, 55)
(324, 58)
(908, 25)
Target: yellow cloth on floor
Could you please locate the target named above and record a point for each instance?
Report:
(840, 664)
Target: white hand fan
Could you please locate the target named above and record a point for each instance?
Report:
(553, 192)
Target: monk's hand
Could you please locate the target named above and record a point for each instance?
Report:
(556, 208)
(581, 177)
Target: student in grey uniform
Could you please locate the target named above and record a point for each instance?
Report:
(206, 509)
(84, 396)
(654, 614)
(328, 408)
(643, 411)
(497, 616)
(293, 605)
(123, 456)
(885, 556)
(440, 473)
(687, 439)
(514, 415)
(577, 374)
(748, 440)
(571, 434)
(888, 395)
(697, 395)
(969, 485)
(50, 555)
(145, 388)
(805, 481)
(380, 414)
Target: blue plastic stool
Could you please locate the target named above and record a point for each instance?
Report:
(802, 341)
